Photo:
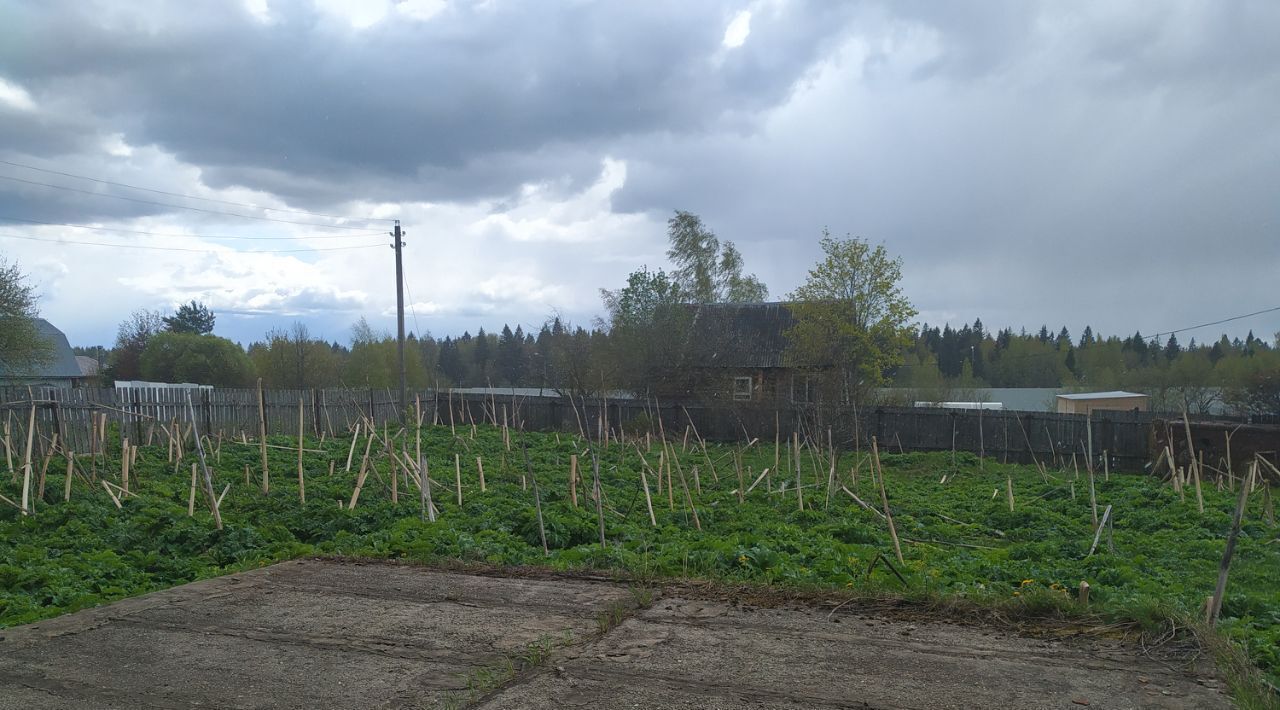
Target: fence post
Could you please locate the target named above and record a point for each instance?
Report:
(372, 418)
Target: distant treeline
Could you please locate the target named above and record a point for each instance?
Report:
(1195, 375)
(562, 356)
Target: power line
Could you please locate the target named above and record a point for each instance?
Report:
(175, 234)
(198, 251)
(189, 197)
(1217, 322)
(179, 207)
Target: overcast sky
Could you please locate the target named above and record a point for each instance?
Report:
(1107, 163)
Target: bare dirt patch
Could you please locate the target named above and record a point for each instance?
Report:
(339, 634)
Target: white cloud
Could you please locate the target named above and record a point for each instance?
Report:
(115, 146)
(360, 14)
(258, 9)
(14, 96)
(421, 10)
(738, 30)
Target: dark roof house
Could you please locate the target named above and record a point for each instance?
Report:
(61, 370)
(735, 352)
(739, 334)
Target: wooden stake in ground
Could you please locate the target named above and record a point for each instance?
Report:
(1191, 449)
(1093, 496)
(644, 483)
(1008, 487)
(480, 471)
(795, 447)
(208, 477)
(425, 475)
(351, 451)
(44, 466)
(598, 493)
(302, 485)
(671, 498)
(573, 479)
(364, 472)
(884, 501)
(1097, 535)
(689, 498)
(737, 465)
(66, 486)
(777, 450)
(191, 496)
(1196, 474)
(1225, 566)
(26, 463)
(8, 447)
(537, 496)
(457, 477)
(262, 438)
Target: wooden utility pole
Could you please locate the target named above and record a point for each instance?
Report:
(399, 246)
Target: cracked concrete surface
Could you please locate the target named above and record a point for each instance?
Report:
(329, 634)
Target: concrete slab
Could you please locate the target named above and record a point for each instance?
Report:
(327, 634)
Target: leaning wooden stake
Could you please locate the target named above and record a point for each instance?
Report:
(262, 438)
(351, 451)
(425, 475)
(689, 498)
(1225, 566)
(480, 471)
(884, 501)
(644, 483)
(1097, 535)
(364, 473)
(204, 465)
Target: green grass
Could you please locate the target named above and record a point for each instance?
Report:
(960, 540)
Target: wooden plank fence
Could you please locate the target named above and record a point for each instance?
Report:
(138, 412)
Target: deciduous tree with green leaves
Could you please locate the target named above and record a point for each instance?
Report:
(21, 345)
(708, 271)
(851, 317)
(135, 332)
(201, 359)
(647, 327)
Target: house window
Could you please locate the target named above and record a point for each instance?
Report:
(803, 389)
(742, 388)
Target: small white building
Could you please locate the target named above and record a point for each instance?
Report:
(1086, 402)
